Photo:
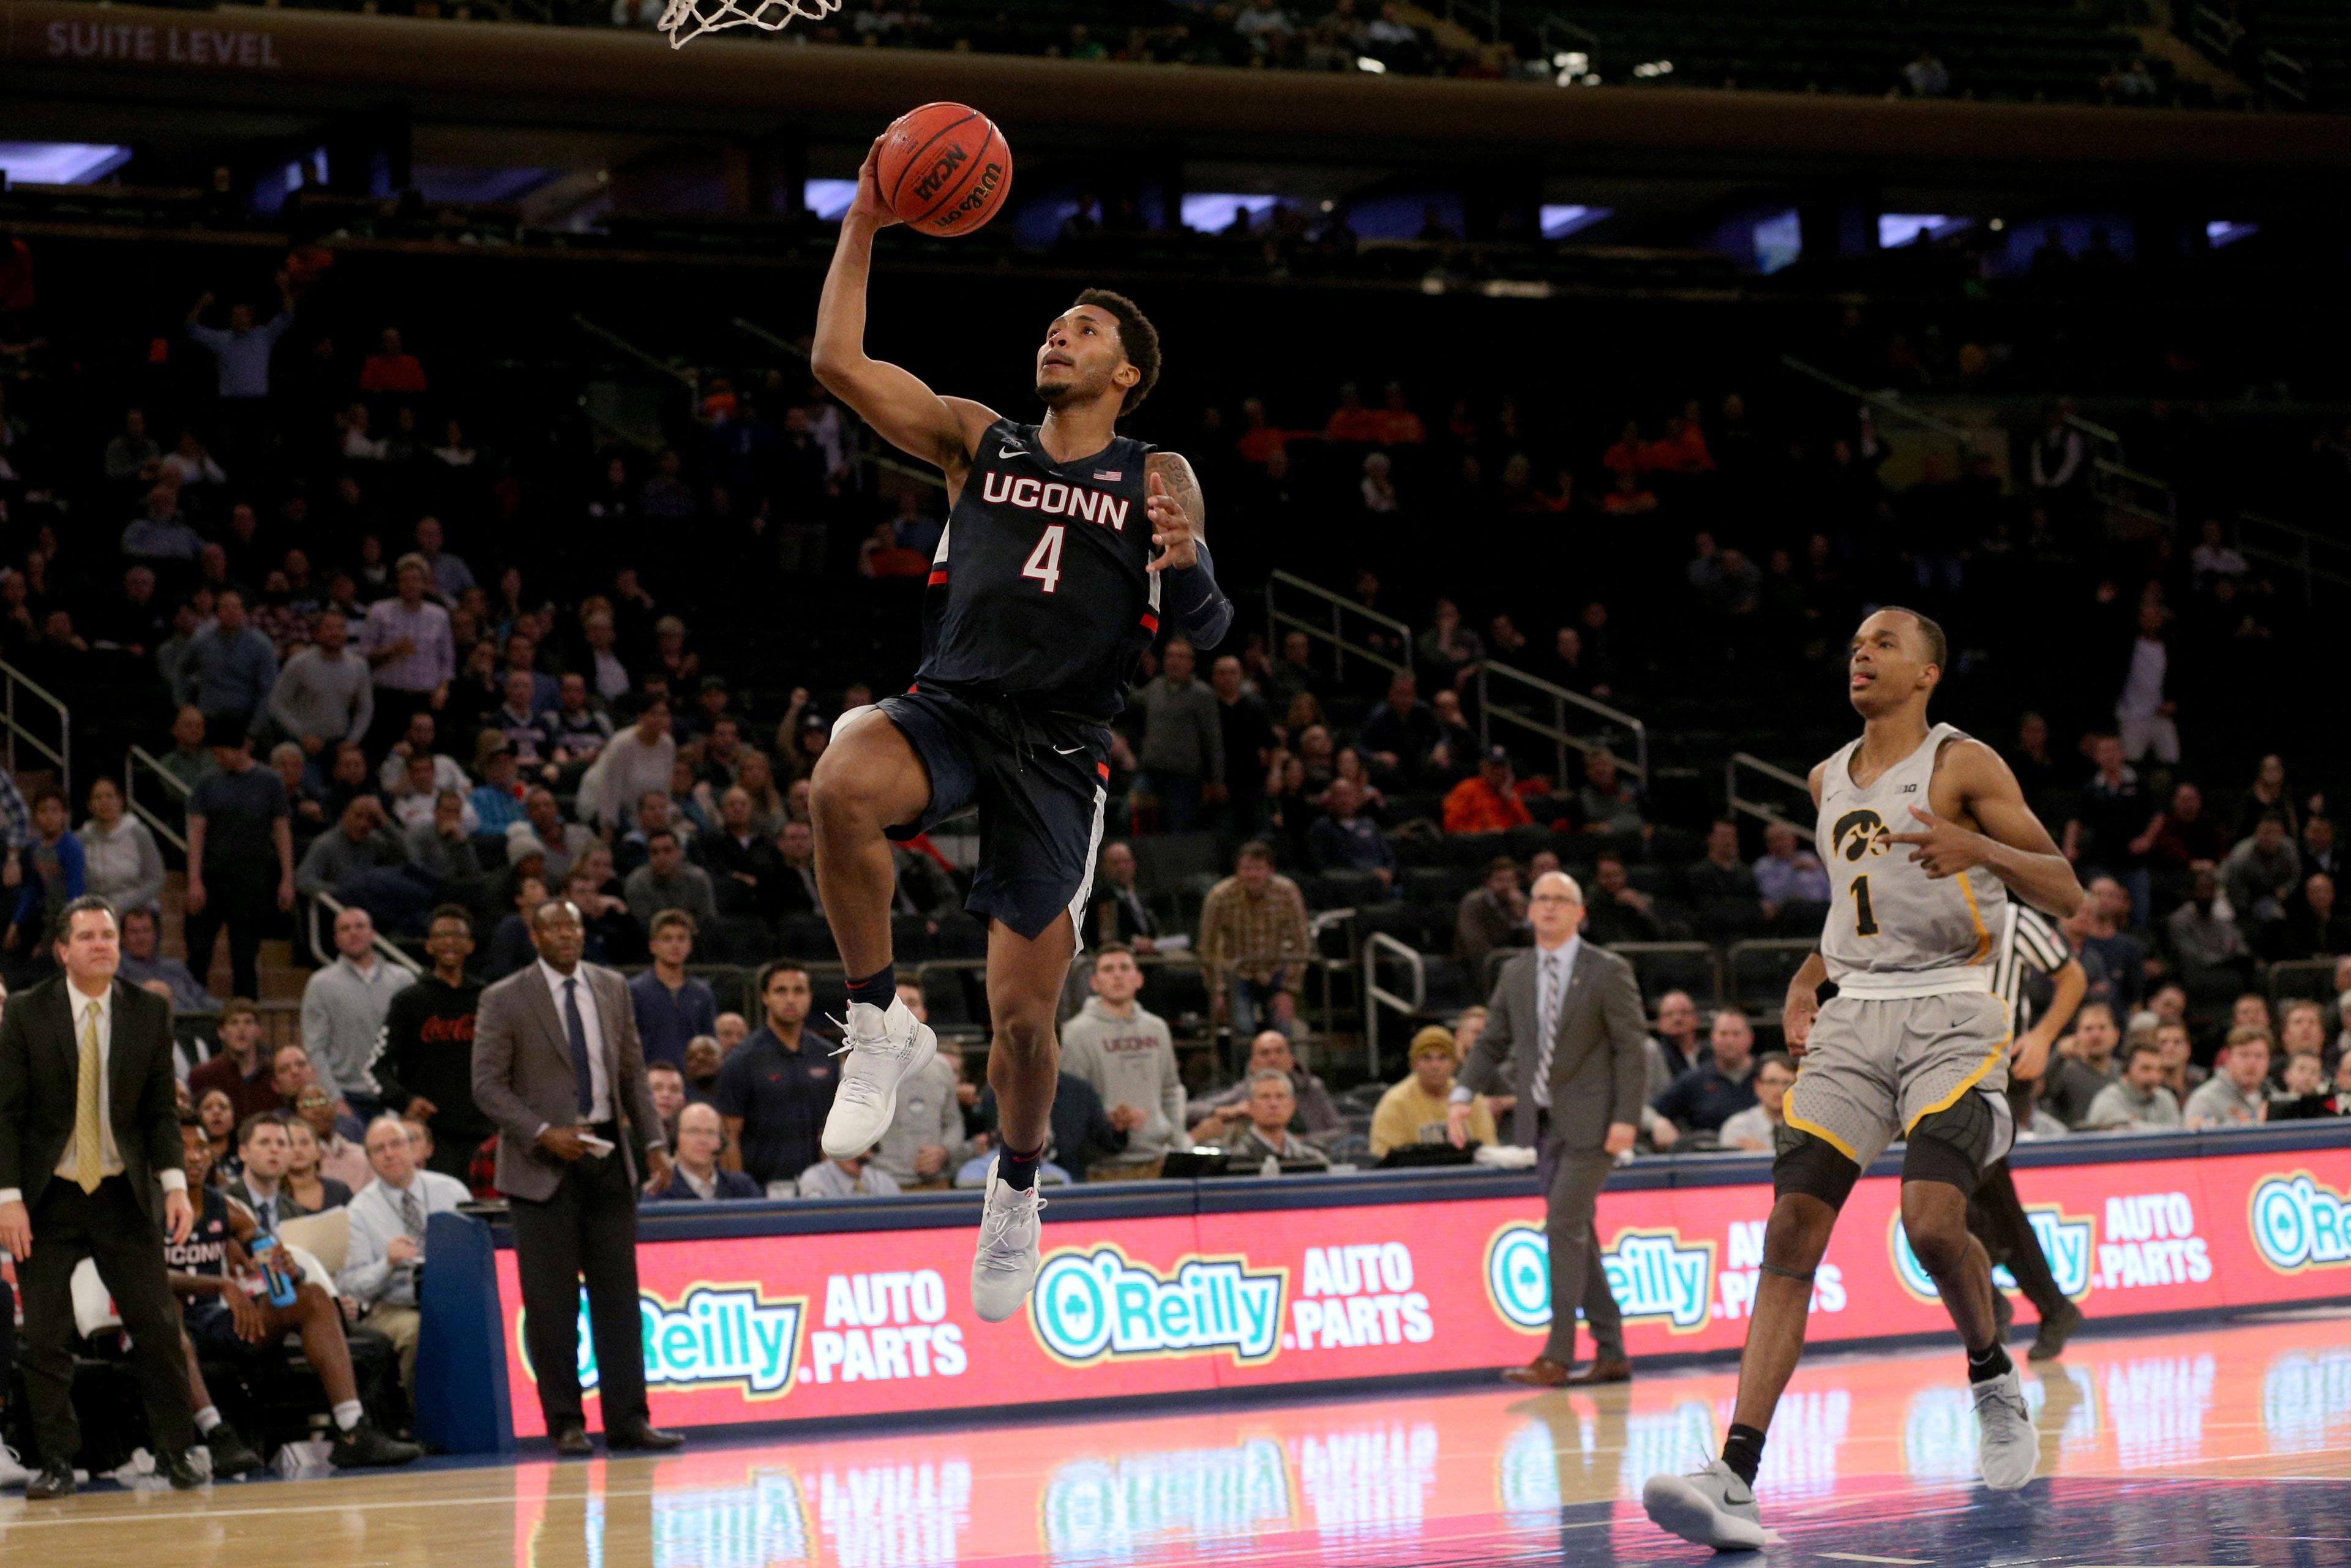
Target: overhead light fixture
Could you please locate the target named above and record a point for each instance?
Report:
(1366, 63)
(1996, 224)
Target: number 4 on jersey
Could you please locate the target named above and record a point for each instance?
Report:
(1045, 560)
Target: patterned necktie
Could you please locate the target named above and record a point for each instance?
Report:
(89, 1147)
(412, 1215)
(582, 1075)
(1549, 1016)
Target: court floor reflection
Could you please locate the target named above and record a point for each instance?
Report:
(2217, 1447)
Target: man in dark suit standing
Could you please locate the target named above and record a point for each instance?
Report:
(90, 1166)
(1565, 1034)
(556, 1065)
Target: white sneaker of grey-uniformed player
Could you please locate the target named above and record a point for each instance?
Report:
(1005, 1267)
(1711, 1507)
(884, 1048)
(2007, 1449)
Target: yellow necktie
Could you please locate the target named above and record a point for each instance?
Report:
(89, 1150)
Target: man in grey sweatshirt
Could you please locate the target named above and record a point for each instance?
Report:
(1128, 1057)
(1183, 756)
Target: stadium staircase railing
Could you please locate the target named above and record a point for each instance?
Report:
(1347, 628)
(27, 699)
(1502, 688)
(169, 826)
(1766, 777)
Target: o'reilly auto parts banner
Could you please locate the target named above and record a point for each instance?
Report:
(790, 1327)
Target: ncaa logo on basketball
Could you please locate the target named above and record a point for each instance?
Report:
(2069, 1243)
(935, 178)
(1095, 1305)
(2298, 1224)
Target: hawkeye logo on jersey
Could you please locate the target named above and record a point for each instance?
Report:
(1055, 498)
(715, 1336)
(1089, 1305)
(2068, 1242)
(1653, 1274)
(2298, 1224)
(1859, 834)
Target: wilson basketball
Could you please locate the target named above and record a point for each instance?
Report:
(945, 168)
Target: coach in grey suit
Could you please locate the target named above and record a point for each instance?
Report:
(1565, 1034)
(556, 1061)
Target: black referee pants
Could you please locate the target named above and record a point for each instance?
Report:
(1996, 1216)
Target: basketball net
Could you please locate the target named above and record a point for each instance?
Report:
(686, 20)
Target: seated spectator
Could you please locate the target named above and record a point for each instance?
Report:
(1128, 1054)
(263, 1153)
(2185, 834)
(612, 935)
(775, 1090)
(141, 935)
(655, 814)
(1490, 915)
(217, 1115)
(386, 1254)
(308, 1185)
(671, 1006)
(1266, 1134)
(496, 802)
(1120, 913)
(225, 1318)
(1757, 1128)
(1253, 944)
(1619, 911)
(2137, 1102)
(666, 881)
(510, 945)
(2180, 1075)
(325, 692)
(1080, 1132)
(1720, 885)
(695, 1176)
(342, 1159)
(1448, 653)
(2085, 1064)
(121, 862)
(1457, 752)
(1398, 735)
(856, 1177)
(2204, 934)
(190, 758)
(1414, 1111)
(1672, 1049)
(2302, 1032)
(160, 536)
(1607, 802)
(1721, 1085)
(2237, 1094)
(1788, 874)
(1183, 751)
(563, 842)
(241, 1070)
(1488, 803)
(361, 843)
(2302, 1096)
(577, 728)
(1343, 839)
(666, 1083)
(50, 871)
(1318, 1115)
(418, 740)
(442, 846)
(393, 368)
(2260, 874)
(2316, 926)
(745, 869)
(639, 759)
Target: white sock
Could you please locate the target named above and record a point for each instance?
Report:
(348, 1414)
(206, 1419)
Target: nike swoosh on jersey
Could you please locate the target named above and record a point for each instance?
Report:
(1069, 750)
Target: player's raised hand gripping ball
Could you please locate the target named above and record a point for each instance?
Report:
(943, 169)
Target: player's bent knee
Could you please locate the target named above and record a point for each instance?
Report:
(1811, 1165)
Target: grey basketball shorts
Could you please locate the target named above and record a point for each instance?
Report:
(1874, 1068)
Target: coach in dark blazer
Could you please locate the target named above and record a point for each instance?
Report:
(1564, 1033)
(90, 1167)
(556, 1061)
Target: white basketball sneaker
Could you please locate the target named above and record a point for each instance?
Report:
(13, 1472)
(2009, 1449)
(884, 1048)
(1006, 1264)
(1711, 1507)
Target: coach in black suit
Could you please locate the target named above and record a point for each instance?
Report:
(1564, 1032)
(90, 1167)
(556, 1059)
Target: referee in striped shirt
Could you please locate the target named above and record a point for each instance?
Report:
(2031, 945)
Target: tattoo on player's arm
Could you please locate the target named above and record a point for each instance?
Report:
(1181, 484)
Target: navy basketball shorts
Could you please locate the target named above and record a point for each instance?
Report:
(212, 1327)
(1039, 781)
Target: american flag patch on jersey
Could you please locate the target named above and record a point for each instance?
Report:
(1111, 475)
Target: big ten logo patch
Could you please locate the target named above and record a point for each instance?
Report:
(2298, 1224)
(1358, 1296)
(886, 1325)
(1655, 1275)
(714, 1336)
(2067, 1240)
(1096, 1304)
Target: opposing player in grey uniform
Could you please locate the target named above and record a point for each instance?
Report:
(1914, 1046)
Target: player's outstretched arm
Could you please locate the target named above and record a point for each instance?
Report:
(2013, 845)
(941, 431)
(1178, 523)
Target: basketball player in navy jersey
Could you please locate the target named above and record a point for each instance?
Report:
(1065, 542)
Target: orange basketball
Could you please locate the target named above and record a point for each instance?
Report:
(945, 168)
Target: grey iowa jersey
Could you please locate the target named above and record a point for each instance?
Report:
(1892, 930)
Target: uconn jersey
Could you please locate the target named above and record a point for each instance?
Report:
(1039, 590)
